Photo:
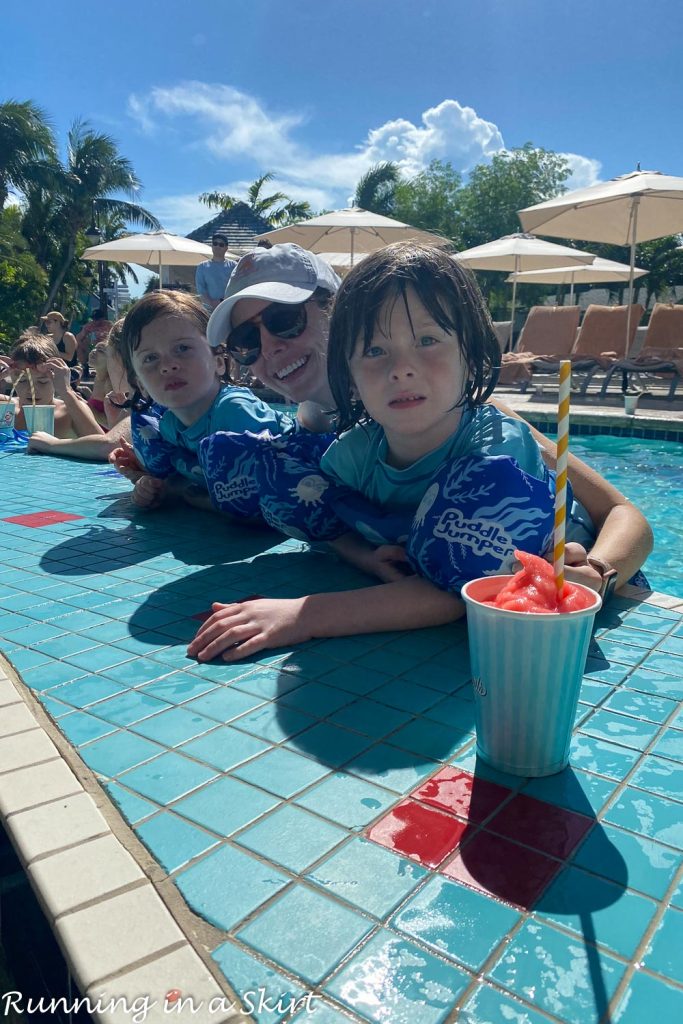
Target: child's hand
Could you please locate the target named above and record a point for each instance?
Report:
(61, 376)
(149, 492)
(42, 442)
(237, 630)
(389, 563)
(113, 412)
(576, 568)
(125, 460)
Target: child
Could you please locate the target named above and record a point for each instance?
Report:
(424, 460)
(39, 375)
(180, 395)
(97, 361)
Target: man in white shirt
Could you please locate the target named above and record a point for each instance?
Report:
(213, 275)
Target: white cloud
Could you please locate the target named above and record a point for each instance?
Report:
(585, 171)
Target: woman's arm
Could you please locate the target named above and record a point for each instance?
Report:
(69, 346)
(95, 447)
(624, 536)
(259, 623)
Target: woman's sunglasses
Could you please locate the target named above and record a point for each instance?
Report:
(279, 319)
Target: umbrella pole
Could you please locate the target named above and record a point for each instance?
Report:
(352, 232)
(512, 311)
(571, 290)
(160, 271)
(634, 230)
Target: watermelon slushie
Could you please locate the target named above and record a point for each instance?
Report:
(533, 589)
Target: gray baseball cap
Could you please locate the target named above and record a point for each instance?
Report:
(284, 273)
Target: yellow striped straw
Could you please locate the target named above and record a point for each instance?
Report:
(561, 472)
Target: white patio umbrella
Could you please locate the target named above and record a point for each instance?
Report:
(632, 208)
(351, 231)
(518, 252)
(152, 249)
(591, 273)
(342, 261)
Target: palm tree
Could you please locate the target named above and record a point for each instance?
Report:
(376, 189)
(27, 146)
(94, 169)
(266, 207)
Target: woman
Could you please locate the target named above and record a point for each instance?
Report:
(55, 324)
(274, 319)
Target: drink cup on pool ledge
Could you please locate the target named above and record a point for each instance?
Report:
(40, 417)
(526, 672)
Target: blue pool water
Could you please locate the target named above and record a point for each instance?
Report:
(650, 474)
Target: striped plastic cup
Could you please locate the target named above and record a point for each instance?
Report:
(526, 673)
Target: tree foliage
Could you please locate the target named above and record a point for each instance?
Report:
(23, 283)
(376, 190)
(431, 201)
(27, 147)
(278, 209)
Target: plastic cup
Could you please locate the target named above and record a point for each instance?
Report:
(7, 419)
(526, 672)
(631, 404)
(39, 417)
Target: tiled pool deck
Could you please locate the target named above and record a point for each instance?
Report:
(315, 821)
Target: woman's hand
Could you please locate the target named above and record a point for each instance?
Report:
(61, 376)
(149, 492)
(237, 630)
(40, 442)
(126, 462)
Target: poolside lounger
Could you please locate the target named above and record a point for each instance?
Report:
(548, 334)
(601, 341)
(662, 351)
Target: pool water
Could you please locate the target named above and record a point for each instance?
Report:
(650, 474)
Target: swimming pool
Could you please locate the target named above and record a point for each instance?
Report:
(649, 473)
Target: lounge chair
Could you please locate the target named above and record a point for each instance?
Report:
(602, 340)
(548, 334)
(662, 351)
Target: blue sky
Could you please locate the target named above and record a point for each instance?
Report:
(207, 96)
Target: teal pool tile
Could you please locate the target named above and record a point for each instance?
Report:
(178, 687)
(576, 790)
(33, 634)
(603, 671)
(226, 805)
(167, 778)
(622, 654)
(224, 704)
(396, 769)
(282, 772)
(224, 748)
(274, 723)
(99, 659)
(446, 678)
(329, 744)
(647, 999)
(634, 637)
(217, 671)
(657, 683)
(469, 762)
(75, 621)
(108, 633)
(174, 726)
(54, 707)
(175, 656)
(227, 885)
(648, 815)
(670, 664)
(555, 972)
(640, 705)
(663, 954)
(651, 618)
(431, 739)
(355, 679)
(621, 729)
(55, 673)
(488, 1005)
(23, 658)
(393, 981)
(138, 672)
(672, 645)
(133, 807)
(593, 691)
(118, 752)
(142, 644)
(659, 775)
(86, 691)
(600, 757)
(407, 696)
(173, 841)
(292, 838)
(676, 899)
(630, 860)
(128, 707)
(669, 744)
(370, 718)
(10, 621)
(368, 876)
(618, 917)
(455, 921)
(267, 683)
(347, 800)
(320, 1013)
(284, 934)
(316, 699)
(80, 727)
(263, 993)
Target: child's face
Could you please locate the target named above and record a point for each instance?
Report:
(410, 379)
(42, 384)
(175, 365)
(97, 360)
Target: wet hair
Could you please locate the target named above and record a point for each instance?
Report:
(448, 292)
(148, 309)
(33, 348)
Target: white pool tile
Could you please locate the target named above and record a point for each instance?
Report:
(16, 718)
(25, 749)
(29, 787)
(53, 826)
(86, 872)
(8, 692)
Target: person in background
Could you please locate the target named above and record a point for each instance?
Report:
(95, 330)
(56, 326)
(213, 275)
(97, 360)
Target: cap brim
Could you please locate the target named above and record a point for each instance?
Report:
(272, 291)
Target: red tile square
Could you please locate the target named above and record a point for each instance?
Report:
(418, 832)
(37, 519)
(543, 826)
(502, 869)
(461, 793)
